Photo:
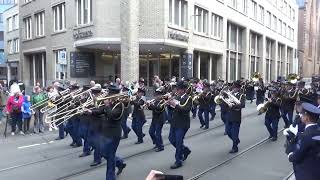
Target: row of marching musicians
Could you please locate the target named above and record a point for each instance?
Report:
(98, 122)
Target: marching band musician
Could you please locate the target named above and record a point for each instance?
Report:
(273, 114)
(260, 93)
(287, 105)
(110, 133)
(56, 89)
(205, 99)
(249, 88)
(83, 130)
(127, 109)
(180, 123)
(158, 119)
(303, 149)
(212, 104)
(138, 117)
(196, 90)
(95, 122)
(72, 125)
(169, 108)
(297, 120)
(234, 117)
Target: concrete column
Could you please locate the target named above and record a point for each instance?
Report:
(129, 25)
(210, 68)
(285, 59)
(186, 65)
(246, 54)
(43, 73)
(198, 65)
(275, 75)
(8, 72)
(34, 68)
(264, 62)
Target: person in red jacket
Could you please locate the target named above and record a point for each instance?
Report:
(13, 108)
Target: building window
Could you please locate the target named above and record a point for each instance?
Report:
(9, 22)
(242, 6)
(216, 26)
(59, 17)
(253, 9)
(84, 12)
(178, 13)
(27, 28)
(39, 24)
(234, 52)
(15, 22)
(293, 14)
(269, 59)
(268, 19)
(255, 53)
(61, 64)
(201, 20)
(274, 23)
(280, 60)
(280, 26)
(261, 14)
(233, 3)
(10, 48)
(16, 45)
(284, 29)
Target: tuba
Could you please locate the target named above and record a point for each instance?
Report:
(293, 78)
(255, 77)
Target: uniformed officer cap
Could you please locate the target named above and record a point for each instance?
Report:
(182, 85)
(206, 84)
(311, 110)
(159, 91)
(86, 87)
(113, 90)
(142, 90)
(74, 86)
(96, 89)
(237, 84)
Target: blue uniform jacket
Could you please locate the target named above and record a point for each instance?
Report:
(306, 154)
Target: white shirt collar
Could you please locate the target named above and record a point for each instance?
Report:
(310, 125)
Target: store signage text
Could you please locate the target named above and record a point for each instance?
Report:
(178, 36)
(79, 34)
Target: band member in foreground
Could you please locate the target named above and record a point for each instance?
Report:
(303, 149)
(180, 123)
(273, 114)
(234, 117)
(260, 93)
(138, 117)
(158, 119)
(127, 109)
(205, 99)
(110, 133)
(287, 105)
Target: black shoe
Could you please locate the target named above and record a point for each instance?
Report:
(212, 118)
(270, 137)
(58, 138)
(125, 136)
(175, 166)
(186, 155)
(139, 142)
(274, 139)
(201, 126)
(158, 149)
(73, 144)
(232, 151)
(77, 145)
(205, 128)
(120, 169)
(84, 155)
(95, 164)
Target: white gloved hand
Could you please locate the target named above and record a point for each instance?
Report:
(294, 130)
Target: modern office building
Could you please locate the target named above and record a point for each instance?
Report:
(309, 38)
(4, 5)
(104, 39)
(12, 41)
